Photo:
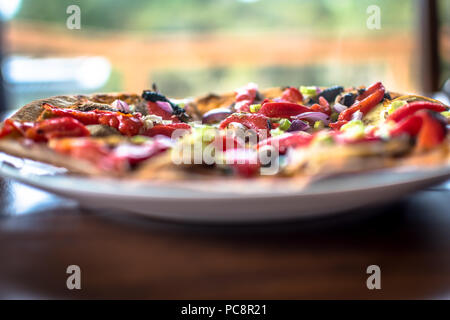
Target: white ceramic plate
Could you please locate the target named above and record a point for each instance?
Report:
(206, 201)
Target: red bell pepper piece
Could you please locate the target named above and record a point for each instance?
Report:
(154, 108)
(432, 132)
(287, 140)
(411, 108)
(258, 122)
(364, 105)
(56, 128)
(371, 89)
(14, 127)
(323, 106)
(45, 130)
(127, 124)
(166, 129)
(409, 126)
(429, 128)
(282, 109)
(293, 95)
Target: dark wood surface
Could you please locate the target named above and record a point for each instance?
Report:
(127, 256)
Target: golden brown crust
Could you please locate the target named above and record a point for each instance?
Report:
(40, 152)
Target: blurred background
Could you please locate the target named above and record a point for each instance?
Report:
(196, 46)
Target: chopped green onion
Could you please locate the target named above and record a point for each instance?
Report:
(319, 125)
(395, 105)
(139, 139)
(255, 107)
(354, 129)
(309, 91)
(284, 124)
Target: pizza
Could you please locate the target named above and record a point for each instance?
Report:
(249, 133)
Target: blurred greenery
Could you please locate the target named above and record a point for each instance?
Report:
(328, 18)
(223, 15)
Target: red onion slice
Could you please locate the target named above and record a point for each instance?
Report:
(313, 117)
(298, 125)
(215, 115)
(120, 105)
(165, 106)
(339, 107)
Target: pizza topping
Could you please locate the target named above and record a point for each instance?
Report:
(364, 105)
(293, 95)
(410, 108)
(331, 93)
(370, 90)
(121, 106)
(429, 128)
(312, 117)
(298, 125)
(168, 129)
(347, 99)
(287, 140)
(159, 105)
(353, 129)
(14, 128)
(45, 130)
(309, 91)
(258, 122)
(127, 124)
(282, 109)
(216, 115)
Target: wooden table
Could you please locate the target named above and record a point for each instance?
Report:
(127, 256)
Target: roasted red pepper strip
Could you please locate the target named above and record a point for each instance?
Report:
(127, 124)
(293, 95)
(14, 127)
(338, 124)
(364, 105)
(286, 141)
(409, 126)
(45, 130)
(410, 108)
(166, 129)
(371, 89)
(432, 132)
(56, 128)
(282, 109)
(429, 128)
